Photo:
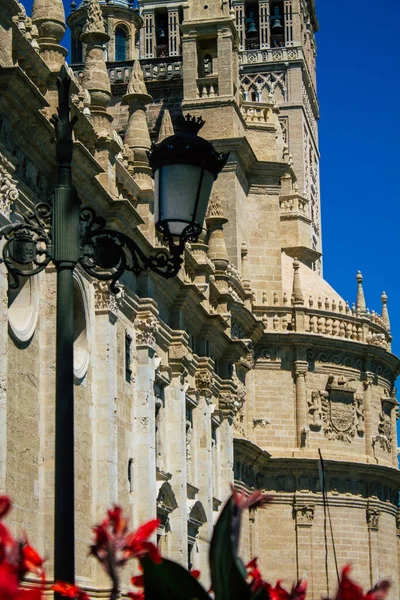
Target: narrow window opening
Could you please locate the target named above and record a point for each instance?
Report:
(277, 25)
(120, 44)
(128, 358)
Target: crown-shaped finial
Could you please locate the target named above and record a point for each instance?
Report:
(191, 124)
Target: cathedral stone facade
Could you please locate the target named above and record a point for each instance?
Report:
(247, 364)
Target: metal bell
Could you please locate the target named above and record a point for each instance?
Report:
(277, 22)
(161, 32)
(251, 24)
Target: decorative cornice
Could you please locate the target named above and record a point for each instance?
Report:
(373, 515)
(104, 300)
(304, 514)
(146, 327)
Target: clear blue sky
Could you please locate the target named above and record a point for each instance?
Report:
(358, 81)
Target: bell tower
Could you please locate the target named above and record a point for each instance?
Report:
(277, 62)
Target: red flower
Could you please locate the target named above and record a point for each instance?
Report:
(255, 500)
(138, 581)
(348, 590)
(195, 573)
(114, 546)
(255, 579)
(69, 591)
(8, 582)
(29, 560)
(137, 546)
(136, 596)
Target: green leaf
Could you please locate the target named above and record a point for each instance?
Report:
(170, 581)
(227, 577)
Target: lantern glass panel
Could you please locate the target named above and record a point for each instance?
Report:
(176, 192)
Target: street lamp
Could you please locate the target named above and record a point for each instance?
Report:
(185, 167)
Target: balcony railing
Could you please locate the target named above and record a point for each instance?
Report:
(207, 87)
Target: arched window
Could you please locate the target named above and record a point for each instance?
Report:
(120, 44)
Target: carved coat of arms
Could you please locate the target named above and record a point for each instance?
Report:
(337, 410)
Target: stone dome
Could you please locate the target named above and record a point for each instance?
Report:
(312, 284)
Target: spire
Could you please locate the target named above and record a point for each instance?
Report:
(385, 312)
(361, 306)
(94, 19)
(216, 239)
(297, 294)
(137, 135)
(95, 76)
(167, 128)
(49, 18)
(136, 85)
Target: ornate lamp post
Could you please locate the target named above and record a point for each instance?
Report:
(185, 167)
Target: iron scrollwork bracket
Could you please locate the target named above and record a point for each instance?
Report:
(28, 244)
(106, 253)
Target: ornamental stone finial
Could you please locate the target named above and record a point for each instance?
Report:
(167, 128)
(94, 20)
(137, 85)
(49, 18)
(137, 135)
(385, 312)
(95, 76)
(361, 306)
(216, 239)
(297, 294)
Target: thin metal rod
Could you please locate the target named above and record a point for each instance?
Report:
(64, 522)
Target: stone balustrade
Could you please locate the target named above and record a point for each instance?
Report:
(270, 55)
(294, 204)
(255, 113)
(207, 87)
(341, 323)
(162, 68)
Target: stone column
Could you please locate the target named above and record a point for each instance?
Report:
(368, 382)
(190, 69)
(148, 37)
(393, 415)
(46, 399)
(373, 543)
(304, 517)
(175, 403)
(264, 23)
(3, 374)
(202, 425)
(174, 36)
(226, 456)
(225, 63)
(104, 403)
(241, 24)
(144, 481)
(288, 22)
(301, 369)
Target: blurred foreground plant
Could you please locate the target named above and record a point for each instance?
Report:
(163, 579)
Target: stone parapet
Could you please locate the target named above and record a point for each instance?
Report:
(336, 321)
